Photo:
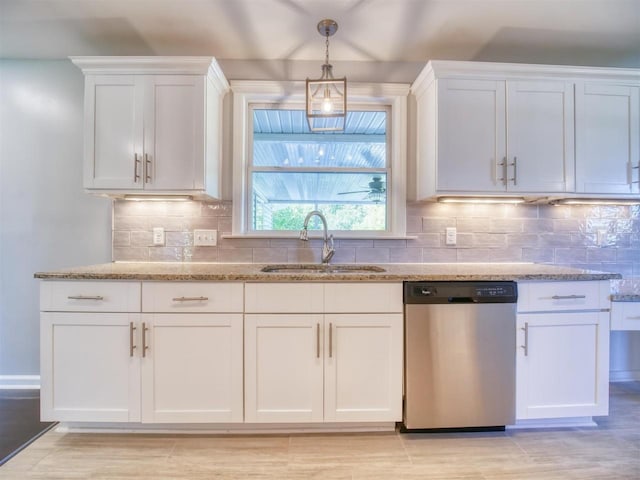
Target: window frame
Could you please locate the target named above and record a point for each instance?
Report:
(251, 94)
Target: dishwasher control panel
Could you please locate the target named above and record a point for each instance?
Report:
(460, 292)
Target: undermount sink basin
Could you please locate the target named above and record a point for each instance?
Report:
(315, 268)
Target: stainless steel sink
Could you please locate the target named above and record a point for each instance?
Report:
(316, 268)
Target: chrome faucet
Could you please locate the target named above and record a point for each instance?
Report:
(327, 245)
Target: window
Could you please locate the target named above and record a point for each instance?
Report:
(282, 171)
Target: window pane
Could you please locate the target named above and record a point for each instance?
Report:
(350, 201)
(281, 138)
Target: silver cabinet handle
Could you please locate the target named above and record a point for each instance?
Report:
(190, 299)
(86, 297)
(526, 339)
(136, 162)
(147, 167)
(515, 171)
(568, 297)
(317, 340)
(145, 347)
(503, 164)
(330, 340)
(132, 345)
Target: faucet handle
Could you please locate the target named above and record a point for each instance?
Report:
(304, 234)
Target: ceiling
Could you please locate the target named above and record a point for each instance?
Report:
(278, 39)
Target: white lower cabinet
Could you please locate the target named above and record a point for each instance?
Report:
(322, 366)
(191, 369)
(88, 370)
(563, 356)
(283, 368)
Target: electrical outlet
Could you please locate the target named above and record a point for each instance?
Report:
(601, 237)
(158, 236)
(205, 238)
(450, 236)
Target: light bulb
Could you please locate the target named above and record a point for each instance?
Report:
(327, 105)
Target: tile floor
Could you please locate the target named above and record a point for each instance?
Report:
(611, 451)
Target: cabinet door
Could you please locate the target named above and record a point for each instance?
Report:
(192, 368)
(89, 372)
(471, 135)
(564, 371)
(363, 368)
(607, 138)
(174, 115)
(113, 132)
(540, 136)
(283, 368)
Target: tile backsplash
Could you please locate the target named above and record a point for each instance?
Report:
(595, 237)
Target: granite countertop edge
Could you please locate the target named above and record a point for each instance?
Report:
(394, 272)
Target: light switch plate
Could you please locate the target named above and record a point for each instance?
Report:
(205, 238)
(450, 237)
(158, 236)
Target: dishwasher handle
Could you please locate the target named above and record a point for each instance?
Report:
(461, 300)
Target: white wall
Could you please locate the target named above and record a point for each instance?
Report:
(46, 221)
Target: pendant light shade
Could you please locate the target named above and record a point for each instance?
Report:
(326, 97)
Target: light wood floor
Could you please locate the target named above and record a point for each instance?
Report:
(611, 451)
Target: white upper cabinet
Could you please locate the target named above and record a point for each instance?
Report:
(499, 129)
(607, 138)
(152, 125)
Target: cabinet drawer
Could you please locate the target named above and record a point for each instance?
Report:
(625, 316)
(178, 297)
(560, 296)
(283, 297)
(89, 296)
(363, 297)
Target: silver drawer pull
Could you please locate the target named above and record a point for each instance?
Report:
(190, 299)
(526, 339)
(85, 297)
(568, 297)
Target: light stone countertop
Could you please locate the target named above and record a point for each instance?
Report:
(175, 271)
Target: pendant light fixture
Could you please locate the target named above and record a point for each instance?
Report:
(327, 96)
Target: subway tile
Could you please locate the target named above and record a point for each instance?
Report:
(526, 211)
(567, 225)
(121, 238)
(511, 254)
(215, 209)
(235, 255)
(201, 254)
(473, 225)
(555, 211)
(126, 223)
(183, 209)
(242, 242)
(555, 239)
(506, 225)
(538, 255)
(437, 225)
(207, 223)
(305, 255)
(522, 239)
(396, 243)
(405, 255)
(489, 239)
(344, 255)
(355, 243)
(414, 224)
(571, 255)
(537, 225)
(170, 224)
(270, 255)
(165, 254)
(372, 255)
(179, 239)
(141, 239)
(225, 225)
(425, 240)
(462, 240)
(139, 208)
(130, 254)
(628, 255)
(601, 254)
(439, 255)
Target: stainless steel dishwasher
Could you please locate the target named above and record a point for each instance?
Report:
(460, 355)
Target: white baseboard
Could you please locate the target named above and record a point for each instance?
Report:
(19, 382)
(624, 376)
(570, 422)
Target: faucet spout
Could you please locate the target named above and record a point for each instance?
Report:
(327, 246)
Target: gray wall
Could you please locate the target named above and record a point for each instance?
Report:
(46, 221)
